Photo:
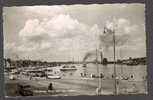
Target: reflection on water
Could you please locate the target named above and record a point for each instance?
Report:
(137, 72)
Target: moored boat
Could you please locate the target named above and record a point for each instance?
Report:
(68, 68)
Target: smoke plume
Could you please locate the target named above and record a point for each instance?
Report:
(88, 55)
(92, 54)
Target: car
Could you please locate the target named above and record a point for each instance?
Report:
(24, 90)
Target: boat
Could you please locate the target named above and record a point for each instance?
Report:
(68, 68)
(51, 76)
(84, 65)
(52, 73)
(132, 64)
(85, 78)
(12, 77)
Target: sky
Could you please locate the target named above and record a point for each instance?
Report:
(69, 32)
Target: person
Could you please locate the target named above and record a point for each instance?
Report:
(131, 76)
(101, 75)
(112, 76)
(98, 90)
(30, 77)
(81, 74)
(50, 87)
(92, 76)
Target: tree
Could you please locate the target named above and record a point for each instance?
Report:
(8, 60)
(105, 61)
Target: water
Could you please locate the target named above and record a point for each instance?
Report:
(72, 80)
(135, 73)
(124, 72)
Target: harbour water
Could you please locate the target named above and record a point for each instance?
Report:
(134, 72)
(131, 80)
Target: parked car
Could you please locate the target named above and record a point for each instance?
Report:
(24, 90)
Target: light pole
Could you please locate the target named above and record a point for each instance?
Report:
(99, 88)
(115, 81)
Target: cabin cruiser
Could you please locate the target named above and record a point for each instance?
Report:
(68, 68)
(52, 73)
(52, 76)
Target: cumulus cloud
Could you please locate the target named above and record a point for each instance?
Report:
(126, 25)
(61, 33)
(58, 26)
(123, 30)
(44, 11)
(56, 33)
(10, 50)
(32, 28)
(64, 34)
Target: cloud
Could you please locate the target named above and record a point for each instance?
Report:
(44, 11)
(45, 45)
(10, 50)
(32, 28)
(63, 32)
(60, 34)
(126, 25)
(123, 29)
(64, 36)
(58, 26)
(9, 46)
(121, 25)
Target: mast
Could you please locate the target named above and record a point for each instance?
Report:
(97, 70)
(101, 54)
(73, 60)
(121, 62)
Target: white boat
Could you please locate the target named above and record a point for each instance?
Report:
(53, 73)
(37, 78)
(68, 68)
(86, 78)
(51, 76)
(12, 77)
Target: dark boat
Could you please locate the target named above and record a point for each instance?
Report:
(68, 68)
